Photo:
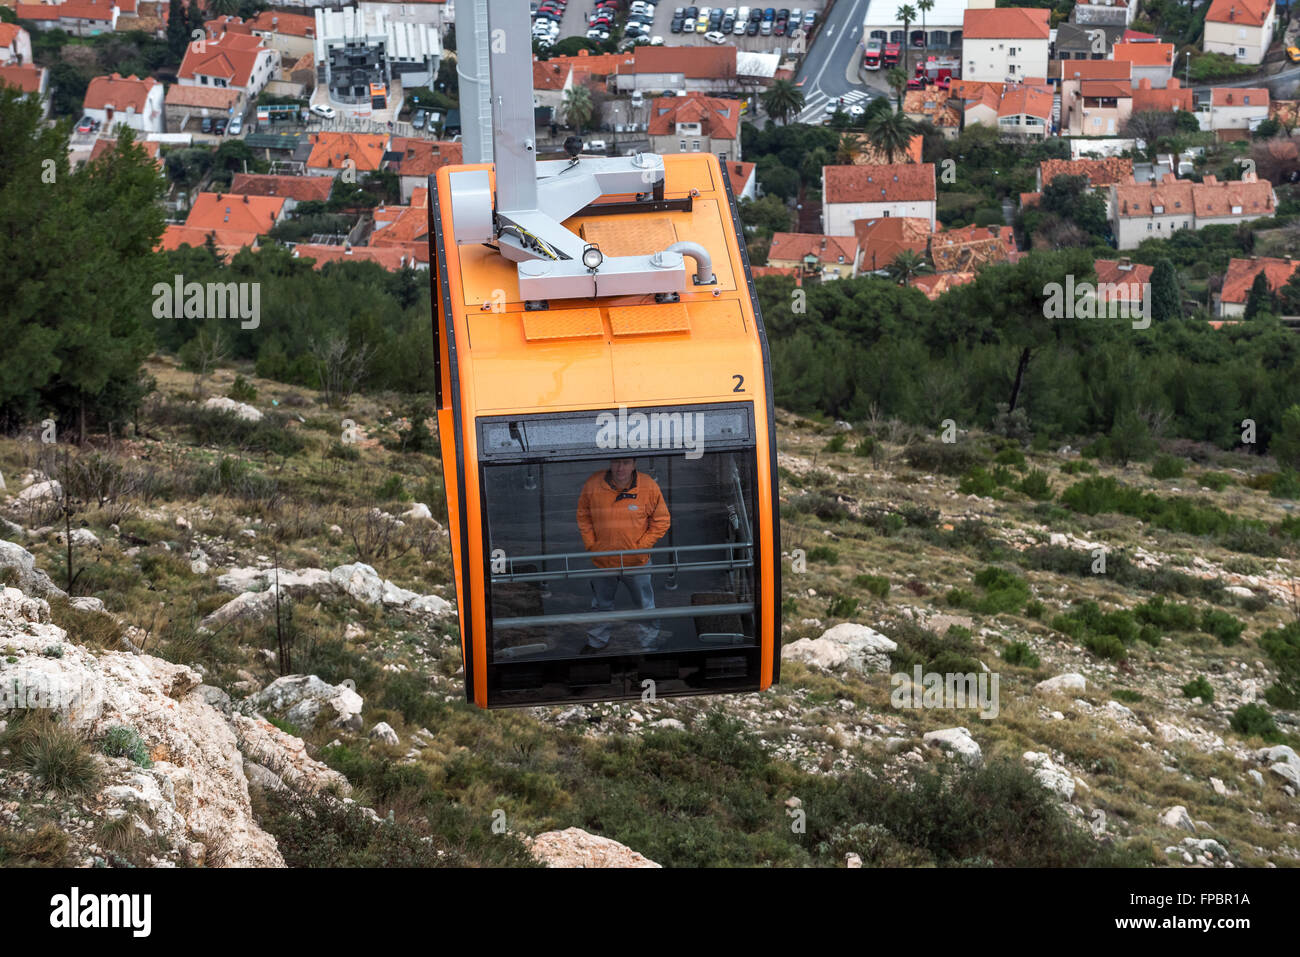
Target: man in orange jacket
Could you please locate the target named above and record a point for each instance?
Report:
(620, 510)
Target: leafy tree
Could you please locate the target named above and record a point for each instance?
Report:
(783, 100)
(77, 285)
(891, 133)
(777, 179)
(1166, 292)
(766, 215)
(907, 265)
(578, 108)
(1260, 299)
(1285, 445)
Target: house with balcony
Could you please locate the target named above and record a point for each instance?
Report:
(1096, 96)
(1026, 110)
(814, 255)
(1241, 29)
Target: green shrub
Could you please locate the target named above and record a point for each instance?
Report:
(1215, 481)
(1168, 467)
(1282, 645)
(865, 448)
(1287, 485)
(978, 481)
(1167, 615)
(1199, 688)
(1010, 456)
(840, 606)
(1222, 625)
(1126, 694)
(1004, 591)
(836, 444)
(1035, 609)
(1254, 721)
(392, 489)
(946, 458)
(877, 585)
(1078, 467)
(1019, 653)
(823, 553)
(1036, 485)
(53, 753)
(124, 742)
(241, 390)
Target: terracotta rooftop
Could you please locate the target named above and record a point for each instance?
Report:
(718, 118)
(899, 183)
(972, 247)
(1144, 54)
(289, 24)
(795, 247)
(1109, 89)
(1100, 172)
(1238, 96)
(232, 58)
(300, 188)
(693, 62)
(421, 157)
(1124, 273)
(120, 92)
(1168, 198)
(934, 104)
(1241, 276)
(70, 9)
(1247, 197)
(1091, 70)
(1172, 97)
(881, 240)
(228, 241)
(392, 258)
(26, 77)
(106, 143)
(235, 211)
(201, 96)
(739, 174)
(1245, 13)
(1026, 101)
(1006, 23)
(333, 150)
(936, 285)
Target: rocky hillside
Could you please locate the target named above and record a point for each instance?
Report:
(254, 654)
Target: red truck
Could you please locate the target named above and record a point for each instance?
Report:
(892, 53)
(871, 59)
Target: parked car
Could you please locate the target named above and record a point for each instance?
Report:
(1294, 54)
(676, 25)
(809, 19)
(87, 125)
(236, 126)
(219, 126)
(205, 126)
(716, 36)
(417, 121)
(326, 112)
(751, 29)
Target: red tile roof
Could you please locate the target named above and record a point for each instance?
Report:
(936, 285)
(105, 144)
(795, 247)
(693, 62)
(718, 118)
(1113, 89)
(232, 57)
(1171, 197)
(422, 157)
(899, 183)
(289, 24)
(70, 9)
(9, 33)
(333, 150)
(739, 174)
(26, 77)
(235, 211)
(1028, 200)
(881, 240)
(1144, 54)
(1246, 13)
(200, 96)
(1026, 101)
(758, 271)
(120, 92)
(392, 258)
(1238, 96)
(1241, 276)
(551, 74)
(1100, 172)
(300, 188)
(228, 241)
(1006, 23)
(1126, 274)
(1247, 197)
(1170, 98)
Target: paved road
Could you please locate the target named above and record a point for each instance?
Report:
(830, 69)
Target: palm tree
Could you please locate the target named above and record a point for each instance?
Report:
(782, 100)
(906, 13)
(897, 78)
(846, 150)
(891, 133)
(578, 107)
(925, 6)
(907, 265)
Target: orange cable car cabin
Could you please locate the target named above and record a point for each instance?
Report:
(606, 420)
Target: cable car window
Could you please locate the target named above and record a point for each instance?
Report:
(621, 553)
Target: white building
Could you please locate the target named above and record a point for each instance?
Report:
(943, 25)
(1241, 29)
(851, 193)
(125, 101)
(1006, 44)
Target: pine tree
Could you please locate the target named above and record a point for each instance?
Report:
(1166, 292)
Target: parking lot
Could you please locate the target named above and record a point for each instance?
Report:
(574, 23)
